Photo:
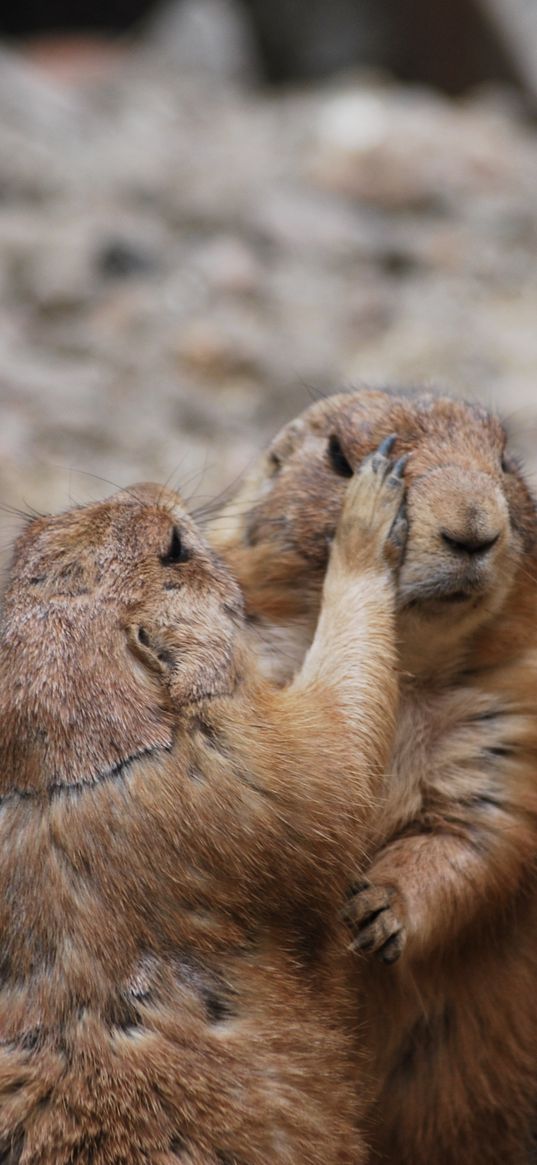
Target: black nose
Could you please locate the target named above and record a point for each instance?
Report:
(466, 545)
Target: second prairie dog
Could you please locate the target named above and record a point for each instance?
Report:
(175, 838)
(446, 918)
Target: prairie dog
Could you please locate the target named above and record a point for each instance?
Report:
(175, 837)
(449, 897)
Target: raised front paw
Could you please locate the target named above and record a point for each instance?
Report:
(371, 915)
(373, 521)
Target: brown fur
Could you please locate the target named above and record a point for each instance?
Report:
(174, 835)
(450, 891)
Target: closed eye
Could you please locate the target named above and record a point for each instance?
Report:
(337, 459)
(509, 464)
(176, 552)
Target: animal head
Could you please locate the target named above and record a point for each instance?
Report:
(115, 615)
(471, 519)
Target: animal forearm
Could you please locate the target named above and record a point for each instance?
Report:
(442, 883)
(351, 667)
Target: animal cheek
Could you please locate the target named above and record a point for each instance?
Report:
(424, 547)
(423, 523)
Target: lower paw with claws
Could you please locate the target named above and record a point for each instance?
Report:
(371, 915)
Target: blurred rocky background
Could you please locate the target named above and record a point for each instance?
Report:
(213, 211)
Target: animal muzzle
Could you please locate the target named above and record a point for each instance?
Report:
(459, 532)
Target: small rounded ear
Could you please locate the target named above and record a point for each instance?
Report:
(284, 444)
(142, 645)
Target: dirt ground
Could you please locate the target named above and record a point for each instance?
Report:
(185, 260)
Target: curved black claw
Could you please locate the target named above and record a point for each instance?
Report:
(380, 459)
(387, 445)
(397, 471)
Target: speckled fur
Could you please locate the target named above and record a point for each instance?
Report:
(450, 890)
(175, 836)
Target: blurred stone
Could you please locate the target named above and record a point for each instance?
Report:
(63, 268)
(413, 152)
(30, 103)
(210, 38)
(73, 61)
(313, 223)
(119, 258)
(516, 22)
(205, 348)
(229, 265)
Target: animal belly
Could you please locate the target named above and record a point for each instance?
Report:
(256, 1074)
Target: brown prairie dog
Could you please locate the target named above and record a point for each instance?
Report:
(175, 837)
(446, 918)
